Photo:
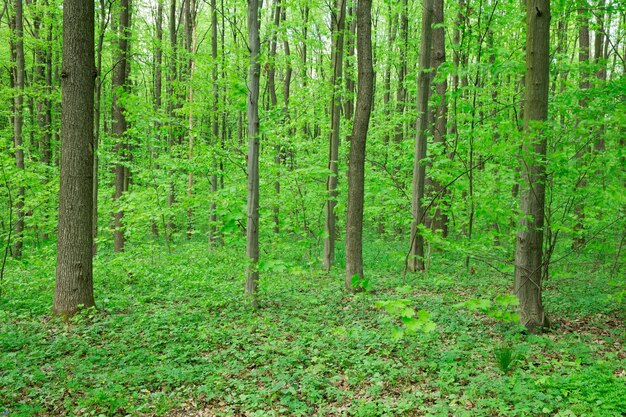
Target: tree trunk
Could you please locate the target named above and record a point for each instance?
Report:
(529, 244)
(214, 121)
(96, 120)
(356, 169)
(252, 225)
(119, 120)
(439, 115)
(338, 27)
(416, 257)
(18, 121)
(171, 107)
(190, 45)
(583, 85)
(74, 275)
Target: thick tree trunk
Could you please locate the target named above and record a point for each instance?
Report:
(416, 257)
(338, 28)
(356, 169)
(18, 121)
(439, 114)
(252, 225)
(529, 244)
(74, 276)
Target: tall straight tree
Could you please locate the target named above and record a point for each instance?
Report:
(356, 168)
(529, 243)
(119, 118)
(416, 256)
(254, 75)
(18, 122)
(74, 272)
(338, 29)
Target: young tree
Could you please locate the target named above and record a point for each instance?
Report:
(119, 125)
(74, 275)
(254, 75)
(356, 169)
(529, 243)
(18, 124)
(416, 257)
(338, 28)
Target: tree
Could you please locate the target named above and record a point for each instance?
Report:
(18, 122)
(338, 28)
(254, 75)
(416, 257)
(356, 168)
(529, 245)
(119, 125)
(74, 274)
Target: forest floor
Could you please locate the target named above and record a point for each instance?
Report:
(173, 336)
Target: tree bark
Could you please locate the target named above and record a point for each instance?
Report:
(74, 275)
(252, 225)
(119, 125)
(583, 85)
(439, 115)
(18, 122)
(529, 244)
(214, 121)
(338, 28)
(356, 168)
(416, 257)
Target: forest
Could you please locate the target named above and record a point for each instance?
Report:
(312, 208)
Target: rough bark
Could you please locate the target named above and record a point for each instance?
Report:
(356, 168)
(252, 225)
(338, 27)
(74, 276)
(439, 115)
(118, 124)
(416, 257)
(529, 243)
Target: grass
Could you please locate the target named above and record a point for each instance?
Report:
(172, 336)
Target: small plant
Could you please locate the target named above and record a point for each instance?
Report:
(505, 357)
(501, 308)
(361, 284)
(412, 321)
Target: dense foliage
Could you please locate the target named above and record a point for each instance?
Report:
(172, 332)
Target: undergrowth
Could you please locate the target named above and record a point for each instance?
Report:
(172, 334)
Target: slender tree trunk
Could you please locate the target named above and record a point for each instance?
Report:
(252, 225)
(18, 122)
(529, 245)
(583, 85)
(356, 169)
(74, 274)
(214, 121)
(271, 86)
(119, 125)
(401, 94)
(416, 258)
(104, 18)
(190, 46)
(338, 28)
(171, 107)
